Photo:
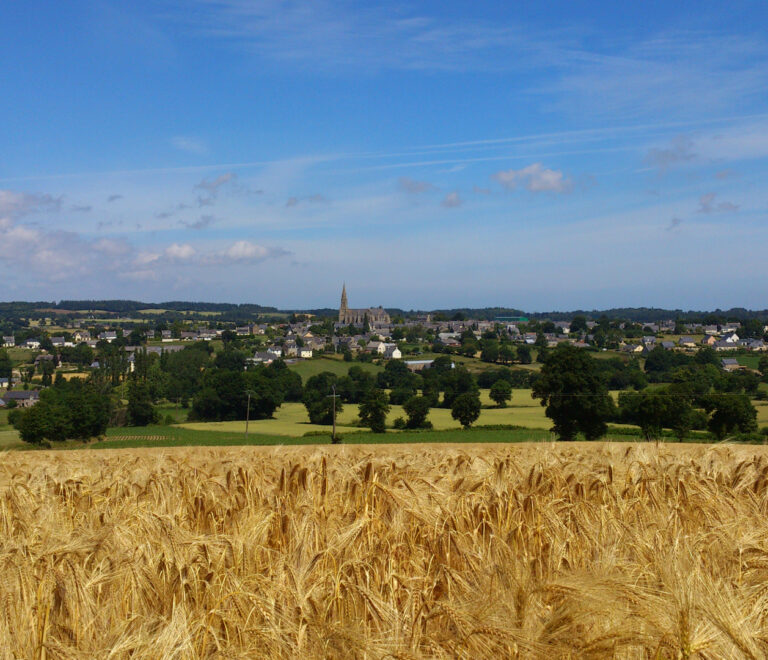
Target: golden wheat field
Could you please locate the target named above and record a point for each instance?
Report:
(522, 551)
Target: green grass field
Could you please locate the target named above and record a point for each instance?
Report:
(291, 424)
(750, 361)
(308, 368)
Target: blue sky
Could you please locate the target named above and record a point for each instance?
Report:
(533, 155)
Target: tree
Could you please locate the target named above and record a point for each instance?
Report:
(466, 408)
(71, 409)
(524, 354)
(579, 324)
(417, 409)
(490, 352)
(374, 410)
(506, 353)
(501, 392)
(46, 369)
(141, 412)
(6, 366)
(575, 396)
(655, 410)
(317, 398)
(456, 382)
(730, 413)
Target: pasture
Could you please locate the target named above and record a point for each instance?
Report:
(577, 550)
(336, 365)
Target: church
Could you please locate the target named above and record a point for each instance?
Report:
(374, 315)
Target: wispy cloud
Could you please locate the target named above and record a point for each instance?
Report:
(674, 223)
(707, 204)
(414, 187)
(211, 186)
(203, 222)
(189, 145)
(317, 198)
(680, 150)
(535, 178)
(452, 200)
(114, 198)
(330, 36)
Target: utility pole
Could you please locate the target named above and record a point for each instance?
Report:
(333, 396)
(247, 413)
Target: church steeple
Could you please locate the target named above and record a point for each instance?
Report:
(343, 307)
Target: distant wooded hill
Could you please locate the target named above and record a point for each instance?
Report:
(241, 311)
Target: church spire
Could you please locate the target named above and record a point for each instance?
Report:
(343, 306)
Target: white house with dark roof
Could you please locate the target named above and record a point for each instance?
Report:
(9, 341)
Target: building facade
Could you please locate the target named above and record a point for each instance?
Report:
(374, 315)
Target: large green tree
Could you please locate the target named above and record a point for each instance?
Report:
(318, 398)
(575, 396)
(730, 413)
(73, 409)
(141, 412)
(501, 392)
(466, 408)
(374, 410)
(417, 409)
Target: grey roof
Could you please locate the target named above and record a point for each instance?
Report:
(21, 395)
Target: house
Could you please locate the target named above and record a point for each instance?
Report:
(529, 338)
(686, 342)
(188, 336)
(243, 330)
(725, 346)
(166, 336)
(263, 357)
(304, 352)
(44, 358)
(290, 349)
(276, 351)
(9, 341)
(731, 338)
(420, 365)
(58, 342)
(632, 348)
(753, 344)
(668, 345)
(4, 383)
(730, 364)
(376, 347)
(709, 340)
(711, 330)
(23, 398)
(108, 336)
(649, 341)
(392, 352)
(31, 343)
(81, 335)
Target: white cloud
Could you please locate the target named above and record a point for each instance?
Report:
(535, 178)
(246, 251)
(180, 252)
(16, 204)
